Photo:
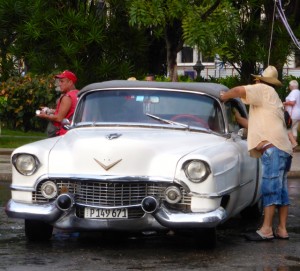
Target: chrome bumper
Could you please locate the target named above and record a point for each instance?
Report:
(160, 219)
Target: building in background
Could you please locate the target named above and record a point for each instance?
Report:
(214, 67)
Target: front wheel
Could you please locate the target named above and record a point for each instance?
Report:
(38, 230)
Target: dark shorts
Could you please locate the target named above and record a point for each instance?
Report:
(275, 165)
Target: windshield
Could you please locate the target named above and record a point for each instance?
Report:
(150, 107)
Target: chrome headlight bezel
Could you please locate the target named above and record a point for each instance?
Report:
(196, 171)
(49, 190)
(25, 163)
(173, 194)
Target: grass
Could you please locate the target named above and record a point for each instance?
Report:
(16, 138)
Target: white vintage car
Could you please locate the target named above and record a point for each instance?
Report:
(139, 156)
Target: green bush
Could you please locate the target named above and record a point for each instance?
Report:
(229, 81)
(20, 97)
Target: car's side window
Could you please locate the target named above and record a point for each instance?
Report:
(231, 107)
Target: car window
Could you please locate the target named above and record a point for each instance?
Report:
(133, 105)
(231, 106)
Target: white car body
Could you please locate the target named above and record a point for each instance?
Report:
(135, 175)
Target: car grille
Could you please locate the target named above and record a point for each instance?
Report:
(112, 194)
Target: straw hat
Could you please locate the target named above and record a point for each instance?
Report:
(269, 76)
(131, 79)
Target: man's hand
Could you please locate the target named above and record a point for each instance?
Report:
(236, 92)
(223, 96)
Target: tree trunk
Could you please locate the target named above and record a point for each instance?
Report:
(172, 61)
(174, 43)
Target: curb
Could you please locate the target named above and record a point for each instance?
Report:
(5, 177)
(6, 151)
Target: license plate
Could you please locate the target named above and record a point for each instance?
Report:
(106, 213)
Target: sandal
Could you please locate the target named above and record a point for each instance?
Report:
(258, 236)
(277, 236)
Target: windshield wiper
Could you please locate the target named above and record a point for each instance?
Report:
(167, 121)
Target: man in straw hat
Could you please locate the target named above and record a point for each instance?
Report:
(267, 139)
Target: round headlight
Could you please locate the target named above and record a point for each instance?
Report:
(196, 171)
(49, 190)
(173, 194)
(26, 164)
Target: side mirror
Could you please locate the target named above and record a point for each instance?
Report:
(66, 124)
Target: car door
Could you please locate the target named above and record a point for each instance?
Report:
(249, 167)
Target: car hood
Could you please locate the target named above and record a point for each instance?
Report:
(128, 152)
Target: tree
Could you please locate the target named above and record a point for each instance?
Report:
(12, 14)
(195, 23)
(257, 41)
(87, 37)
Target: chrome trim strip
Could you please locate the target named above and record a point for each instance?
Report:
(123, 178)
(22, 188)
(80, 177)
(108, 207)
(221, 193)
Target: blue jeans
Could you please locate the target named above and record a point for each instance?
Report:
(275, 165)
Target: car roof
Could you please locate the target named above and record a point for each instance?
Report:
(212, 89)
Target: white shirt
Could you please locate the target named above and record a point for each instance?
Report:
(294, 110)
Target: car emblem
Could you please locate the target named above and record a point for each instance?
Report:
(113, 136)
(107, 167)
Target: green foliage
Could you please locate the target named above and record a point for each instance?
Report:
(16, 138)
(184, 78)
(194, 23)
(80, 36)
(146, 13)
(22, 96)
(15, 142)
(12, 14)
(202, 28)
(229, 81)
(162, 78)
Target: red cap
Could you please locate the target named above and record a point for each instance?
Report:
(67, 74)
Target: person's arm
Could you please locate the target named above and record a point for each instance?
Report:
(239, 119)
(290, 103)
(236, 92)
(65, 105)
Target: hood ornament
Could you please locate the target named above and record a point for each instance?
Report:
(107, 167)
(113, 136)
